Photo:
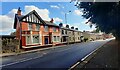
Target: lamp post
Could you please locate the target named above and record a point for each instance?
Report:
(66, 17)
(66, 23)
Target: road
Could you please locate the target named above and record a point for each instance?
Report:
(62, 57)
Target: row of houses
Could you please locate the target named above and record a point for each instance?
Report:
(33, 31)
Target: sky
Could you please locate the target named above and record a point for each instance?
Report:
(46, 10)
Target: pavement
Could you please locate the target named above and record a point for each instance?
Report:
(30, 51)
(106, 56)
(63, 57)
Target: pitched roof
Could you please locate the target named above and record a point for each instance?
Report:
(51, 24)
(20, 18)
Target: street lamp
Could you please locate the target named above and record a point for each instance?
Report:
(66, 23)
(66, 16)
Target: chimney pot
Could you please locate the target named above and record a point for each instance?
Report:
(51, 20)
(72, 27)
(60, 25)
(67, 26)
(76, 28)
(19, 11)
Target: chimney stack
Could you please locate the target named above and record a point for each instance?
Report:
(72, 27)
(67, 26)
(19, 12)
(52, 20)
(60, 25)
(76, 28)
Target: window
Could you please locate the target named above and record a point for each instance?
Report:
(46, 28)
(62, 31)
(37, 27)
(73, 38)
(54, 38)
(70, 38)
(28, 39)
(58, 38)
(66, 32)
(29, 26)
(36, 39)
(54, 29)
(69, 32)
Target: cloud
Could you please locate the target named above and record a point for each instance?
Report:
(54, 6)
(77, 12)
(44, 13)
(61, 6)
(57, 19)
(6, 27)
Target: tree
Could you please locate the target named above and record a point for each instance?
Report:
(105, 15)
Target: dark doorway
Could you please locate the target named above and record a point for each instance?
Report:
(46, 40)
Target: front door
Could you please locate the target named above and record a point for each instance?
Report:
(46, 40)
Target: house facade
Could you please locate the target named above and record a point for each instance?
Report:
(69, 35)
(78, 35)
(33, 31)
(64, 34)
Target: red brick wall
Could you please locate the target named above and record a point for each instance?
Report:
(23, 41)
(24, 26)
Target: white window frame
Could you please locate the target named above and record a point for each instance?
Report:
(37, 25)
(54, 29)
(30, 28)
(29, 40)
(33, 38)
(45, 28)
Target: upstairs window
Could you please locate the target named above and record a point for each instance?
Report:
(62, 31)
(29, 26)
(37, 27)
(66, 32)
(58, 38)
(54, 29)
(54, 38)
(46, 28)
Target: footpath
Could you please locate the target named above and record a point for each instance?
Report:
(107, 57)
(30, 51)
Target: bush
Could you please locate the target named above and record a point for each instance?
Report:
(9, 45)
(85, 39)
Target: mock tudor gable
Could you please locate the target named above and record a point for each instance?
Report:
(32, 17)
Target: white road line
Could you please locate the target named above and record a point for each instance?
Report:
(89, 54)
(74, 65)
(84, 58)
(28, 59)
(20, 61)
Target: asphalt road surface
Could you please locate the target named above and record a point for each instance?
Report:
(62, 57)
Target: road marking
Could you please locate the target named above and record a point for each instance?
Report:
(25, 59)
(20, 61)
(90, 53)
(84, 58)
(74, 65)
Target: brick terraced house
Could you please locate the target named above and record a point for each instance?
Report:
(69, 35)
(33, 31)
